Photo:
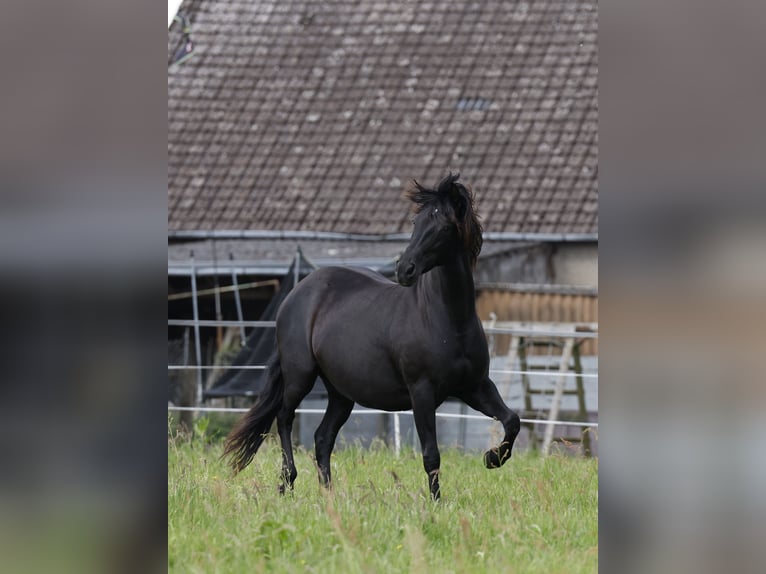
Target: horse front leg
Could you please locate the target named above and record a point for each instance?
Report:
(424, 411)
(485, 398)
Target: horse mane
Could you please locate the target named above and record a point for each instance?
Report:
(461, 198)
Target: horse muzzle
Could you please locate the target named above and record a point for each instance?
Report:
(406, 274)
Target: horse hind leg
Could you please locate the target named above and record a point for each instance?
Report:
(284, 429)
(296, 388)
(338, 410)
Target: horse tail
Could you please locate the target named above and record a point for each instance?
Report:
(246, 437)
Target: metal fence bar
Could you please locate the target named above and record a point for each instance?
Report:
(397, 435)
(492, 371)
(229, 289)
(195, 324)
(378, 412)
(217, 299)
(192, 323)
(238, 303)
(533, 333)
(491, 330)
(214, 367)
(541, 373)
(297, 269)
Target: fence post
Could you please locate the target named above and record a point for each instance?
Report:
(188, 393)
(397, 435)
(197, 347)
(217, 297)
(462, 433)
(240, 317)
(297, 269)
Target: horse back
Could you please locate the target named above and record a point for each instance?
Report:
(339, 303)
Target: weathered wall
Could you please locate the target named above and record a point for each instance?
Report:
(524, 263)
(542, 264)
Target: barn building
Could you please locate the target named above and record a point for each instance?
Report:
(295, 125)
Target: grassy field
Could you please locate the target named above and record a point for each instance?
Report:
(532, 515)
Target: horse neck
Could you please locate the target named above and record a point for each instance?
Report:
(449, 289)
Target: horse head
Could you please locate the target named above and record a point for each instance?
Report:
(446, 226)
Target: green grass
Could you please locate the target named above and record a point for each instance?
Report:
(533, 515)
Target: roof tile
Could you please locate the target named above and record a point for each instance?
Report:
(314, 116)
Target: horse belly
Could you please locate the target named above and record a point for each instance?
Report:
(365, 375)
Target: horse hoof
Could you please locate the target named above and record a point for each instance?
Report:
(491, 459)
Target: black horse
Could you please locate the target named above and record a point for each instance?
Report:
(385, 345)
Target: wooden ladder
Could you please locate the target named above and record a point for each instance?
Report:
(570, 353)
(568, 362)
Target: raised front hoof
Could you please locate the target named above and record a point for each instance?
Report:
(492, 458)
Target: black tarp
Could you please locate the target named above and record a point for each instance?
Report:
(260, 344)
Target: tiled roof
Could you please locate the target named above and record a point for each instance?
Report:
(295, 114)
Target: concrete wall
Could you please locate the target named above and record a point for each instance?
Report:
(575, 264)
(530, 263)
